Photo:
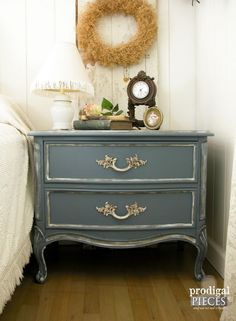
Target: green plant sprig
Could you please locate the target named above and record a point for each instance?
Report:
(108, 109)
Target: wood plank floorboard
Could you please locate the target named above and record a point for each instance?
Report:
(92, 284)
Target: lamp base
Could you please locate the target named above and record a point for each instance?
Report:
(62, 112)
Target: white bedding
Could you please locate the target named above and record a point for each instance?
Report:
(16, 198)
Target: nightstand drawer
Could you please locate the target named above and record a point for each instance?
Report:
(120, 210)
(166, 162)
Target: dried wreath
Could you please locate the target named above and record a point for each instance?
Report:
(94, 49)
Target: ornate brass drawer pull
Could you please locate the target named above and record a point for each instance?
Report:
(132, 161)
(110, 209)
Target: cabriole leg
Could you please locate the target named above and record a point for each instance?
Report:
(39, 247)
(202, 249)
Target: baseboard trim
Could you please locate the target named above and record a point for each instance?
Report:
(216, 256)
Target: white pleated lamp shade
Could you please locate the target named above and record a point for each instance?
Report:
(64, 72)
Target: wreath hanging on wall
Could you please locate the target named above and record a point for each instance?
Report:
(94, 49)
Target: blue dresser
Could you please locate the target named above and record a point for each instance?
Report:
(120, 189)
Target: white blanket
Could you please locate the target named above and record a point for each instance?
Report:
(16, 197)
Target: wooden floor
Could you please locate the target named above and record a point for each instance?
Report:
(148, 284)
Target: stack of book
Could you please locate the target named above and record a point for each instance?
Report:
(103, 124)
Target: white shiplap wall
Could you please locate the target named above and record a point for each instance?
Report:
(109, 82)
(192, 63)
(216, 111)
(28, 30)
(13, 49)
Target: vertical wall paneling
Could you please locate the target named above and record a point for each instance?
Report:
(40, 40)
(48, 22)
(122, 29)
(101, 76)
(164, 61)
(65, 20)
(182, 64)
(109, 82)
(230, 99)
(65, 28)
(151, 57)
(216, 69)
(149, 64)
(13, 53)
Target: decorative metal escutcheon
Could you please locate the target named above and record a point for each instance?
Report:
(132, 161)
(110, 209)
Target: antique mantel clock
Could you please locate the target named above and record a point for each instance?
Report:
(141, 90)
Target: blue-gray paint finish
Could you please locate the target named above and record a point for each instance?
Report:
(82, 213)
(71, 186)
(164, 162)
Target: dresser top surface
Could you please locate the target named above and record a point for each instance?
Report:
(121, 133)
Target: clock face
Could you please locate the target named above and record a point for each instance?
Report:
(140, 89)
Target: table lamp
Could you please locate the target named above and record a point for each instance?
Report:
(62, 74)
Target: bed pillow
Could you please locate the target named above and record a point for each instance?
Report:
(12, 114)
